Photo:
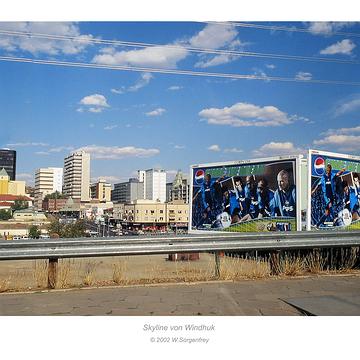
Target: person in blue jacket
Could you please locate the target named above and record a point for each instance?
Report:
(355, 197)
(266, 199)
(237, 200)
(208, 196)
(328, 186)
(251, 210)
(284, 202)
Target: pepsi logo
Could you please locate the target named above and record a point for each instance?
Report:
(319, 166)
(199, 177)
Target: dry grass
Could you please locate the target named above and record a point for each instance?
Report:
(238, 268)
(40, 273)
(292, 266)
(119, 269)
(5, 284)
(315, 262)
(64, 274)
(89, 276)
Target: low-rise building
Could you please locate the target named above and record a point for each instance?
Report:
(28, 215)
(9, 187)
(154, 214)
(8, 200)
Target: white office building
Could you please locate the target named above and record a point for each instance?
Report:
(154, 184)
(47, 181)
(76, 183)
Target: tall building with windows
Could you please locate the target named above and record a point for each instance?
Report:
(8, 162)
(47, 181)
(127, 192)
(101, 191)
(76, 183)
(155, 185)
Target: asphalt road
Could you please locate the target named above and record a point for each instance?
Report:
(248, 297)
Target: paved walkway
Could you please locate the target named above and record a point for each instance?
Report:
(255, 297)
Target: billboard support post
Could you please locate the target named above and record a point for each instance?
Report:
(275, 263)
(217, 264)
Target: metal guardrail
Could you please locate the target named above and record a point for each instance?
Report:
(85, 247)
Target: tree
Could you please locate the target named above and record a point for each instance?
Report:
(19, 205)
(74, 230)
(34, 232)
(5, 214)
(55, 195)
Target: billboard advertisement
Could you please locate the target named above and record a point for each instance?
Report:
(334, 191)
(246, 196)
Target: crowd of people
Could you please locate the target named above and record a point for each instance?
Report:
(246, 198)
(339, 199)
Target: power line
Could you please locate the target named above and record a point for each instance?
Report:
(173, 71)
(283, 28)
(82, 39)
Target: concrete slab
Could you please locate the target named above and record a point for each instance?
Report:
(327, 305)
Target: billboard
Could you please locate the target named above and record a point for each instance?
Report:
(246, 196)
(334, 191)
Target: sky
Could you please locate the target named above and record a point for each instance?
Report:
(131, 120)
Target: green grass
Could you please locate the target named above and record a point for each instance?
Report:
(260, 225)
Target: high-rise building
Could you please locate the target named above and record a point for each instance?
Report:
(76, 183)
(8, 162)
(127, 192)
(47, 181)
(155, 185)
(101, 191)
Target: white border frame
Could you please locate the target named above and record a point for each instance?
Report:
(297, 159)
(320, 153)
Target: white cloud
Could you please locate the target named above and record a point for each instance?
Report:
(156, 112)
(36, 45)
(95, 103)
(216, 60)
(348, 143)
(142, 82)
(341, 47)
(61, 148)
(155, 56)
(110, 127)
(303, 76)
(214, 36)
(108, 178)
(24, 176)
(233, 150)
(244, 114)
(95, 100)
(95, 109)
(116, 152)
(342, 131)
(179, 147)
(348, 106)
(259, 73)
(277, 148)
(25, 144)
(175, 87)
(214, 147)
(270, 66)
(326, 28)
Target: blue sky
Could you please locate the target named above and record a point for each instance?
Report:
(132, 120)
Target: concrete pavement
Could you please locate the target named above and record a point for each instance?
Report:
(248, 297)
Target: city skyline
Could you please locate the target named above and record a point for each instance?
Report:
(129, 120)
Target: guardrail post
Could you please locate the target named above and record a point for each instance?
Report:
(52, 272)
(217, 264)
(275, 263)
